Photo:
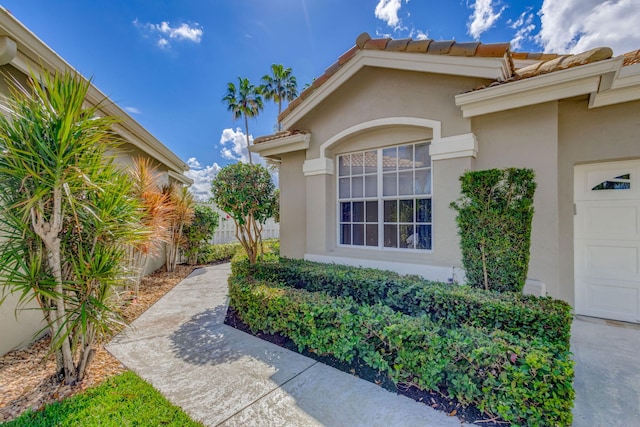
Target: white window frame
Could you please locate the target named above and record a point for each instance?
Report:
(380, 198)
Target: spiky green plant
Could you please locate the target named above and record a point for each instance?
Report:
(65, 214)
(281, 85)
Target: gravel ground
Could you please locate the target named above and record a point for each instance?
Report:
(26, 375)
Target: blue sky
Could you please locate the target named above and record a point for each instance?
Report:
(168, 62)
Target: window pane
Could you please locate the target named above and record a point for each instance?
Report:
(389, 159)
(372, 234)
(390, 211)
(423, 160)
(358, 234)
(406, 210)
(357, 183)
(358, 211)
(405, 157)
(357, 161)
(405, 180)
(345, 208)
(345, 234)
(344, 188)
(407, 236)
(372, 211)
(371, 162)
(423, 181)
(423, 210)
(424, 237)
(389, 184)
(343, 165)
(390, 236)
(371, 185)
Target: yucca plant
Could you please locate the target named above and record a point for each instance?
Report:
(182, 204)
(66, 214)
(157, 212)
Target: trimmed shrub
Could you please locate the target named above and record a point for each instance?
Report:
(494, 224)
(450, 305)
(524, 381)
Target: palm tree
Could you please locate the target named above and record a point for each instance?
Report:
(65, 214)
(280, 85)
(245, 100)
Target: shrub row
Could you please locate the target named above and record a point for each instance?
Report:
(226, 251)
(450, 305)
(526, 382)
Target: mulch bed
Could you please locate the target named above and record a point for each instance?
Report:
(360, 369)
(27, 379)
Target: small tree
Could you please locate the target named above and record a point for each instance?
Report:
(247, 193)
(182, 203)
(157, 212)
(66, 214)
(494, 224)
(199, 232)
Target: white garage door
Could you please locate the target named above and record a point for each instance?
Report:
(607, 240)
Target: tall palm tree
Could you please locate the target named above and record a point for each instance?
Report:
(280, 85)
(245, 100)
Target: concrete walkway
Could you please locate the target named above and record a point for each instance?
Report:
(224, 377)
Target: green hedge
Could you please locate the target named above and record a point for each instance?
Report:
(226, 251)
(494, 224)
(451, 305)
(526, 382)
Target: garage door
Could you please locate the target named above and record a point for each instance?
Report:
(607, 240)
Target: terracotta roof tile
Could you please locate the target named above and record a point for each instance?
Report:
(376, 44)
(631, 58)
(420, 46)
(464, 49)
(278, 135)
(440, 47)
(547, 62)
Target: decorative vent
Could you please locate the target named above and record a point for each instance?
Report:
(621, 182)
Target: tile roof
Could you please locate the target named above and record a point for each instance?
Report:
(546, 62)
(278, 135)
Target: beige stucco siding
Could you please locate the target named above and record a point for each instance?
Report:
(293, 204)
(528, 137)
(374, 93)
(588, 136)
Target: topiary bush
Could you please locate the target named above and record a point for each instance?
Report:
(494, 224)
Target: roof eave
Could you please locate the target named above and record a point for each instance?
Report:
(33, 54)
(272, 149)
(581, 80)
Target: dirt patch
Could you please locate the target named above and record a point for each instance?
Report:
(26, 375)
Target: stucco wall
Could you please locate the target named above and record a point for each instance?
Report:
(528, 137)
(293, 206)
(588, 136)
(374, 94)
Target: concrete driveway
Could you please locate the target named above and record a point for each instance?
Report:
(224, 377)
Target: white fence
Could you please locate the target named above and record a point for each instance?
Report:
(226, 231)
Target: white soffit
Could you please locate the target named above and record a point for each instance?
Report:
(287, 144)
(477, 67)
(581, 80)
(625, 87)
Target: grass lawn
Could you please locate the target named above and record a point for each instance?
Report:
(123, 400)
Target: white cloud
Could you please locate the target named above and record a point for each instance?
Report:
(202, 178)
(524, 27)
(234, 145)
(387, 10)
(577, 25)
(133, 110)
(418, 35)
(165, 33)
(483, 17)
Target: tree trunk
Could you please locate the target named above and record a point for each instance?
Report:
(246, 129)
